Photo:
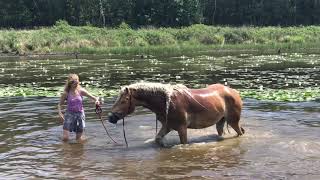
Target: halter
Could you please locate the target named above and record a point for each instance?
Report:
(128, 111)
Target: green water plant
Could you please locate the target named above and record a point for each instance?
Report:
(12, 91)
(288, 95)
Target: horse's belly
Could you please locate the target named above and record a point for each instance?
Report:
(202, 120)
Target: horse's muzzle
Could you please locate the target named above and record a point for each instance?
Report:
(114, 117)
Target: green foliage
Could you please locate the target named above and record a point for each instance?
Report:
(193, 32)
(158, 37)
(209, 40)
(124, 26)
(173, 13)
(237, 36)
(63, 26)
(66, 38)
(292, 39)
(128, 37)
(62, 23)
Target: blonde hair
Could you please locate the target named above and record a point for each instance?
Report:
(71, 77)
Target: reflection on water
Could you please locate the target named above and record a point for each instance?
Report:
(281, 140)
(73, 157)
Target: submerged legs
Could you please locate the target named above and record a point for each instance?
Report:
(182, 131)
(220, 126)
(234, 121)
(65, 136)
(163, 131)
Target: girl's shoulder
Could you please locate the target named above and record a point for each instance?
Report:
(82, 91)
(64, 93)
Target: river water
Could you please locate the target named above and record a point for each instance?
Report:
(281, 140)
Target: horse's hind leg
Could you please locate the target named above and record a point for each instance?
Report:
(220, 126)
(237, 128)
(233, 120)
(243, 131)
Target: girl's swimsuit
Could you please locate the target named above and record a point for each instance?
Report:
(74, 116)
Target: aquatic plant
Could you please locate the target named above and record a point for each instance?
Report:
(49, 91)
(290, 95)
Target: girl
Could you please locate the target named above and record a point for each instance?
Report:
(74, 117)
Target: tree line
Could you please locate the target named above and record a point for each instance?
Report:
(159, 13)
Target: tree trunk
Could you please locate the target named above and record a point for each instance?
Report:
(102, 14)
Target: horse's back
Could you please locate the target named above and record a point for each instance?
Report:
(216, 89)
(224, 90)
(227, 93)
(219, 92)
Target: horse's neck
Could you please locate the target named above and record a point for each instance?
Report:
(156, 104)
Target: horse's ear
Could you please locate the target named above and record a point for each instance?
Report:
(126, 90)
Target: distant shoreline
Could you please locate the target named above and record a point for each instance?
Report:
(65, 40)
(221, 52)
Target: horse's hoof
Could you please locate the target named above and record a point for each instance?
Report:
(159, 142)
(220, 138)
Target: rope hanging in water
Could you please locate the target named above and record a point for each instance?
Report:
(156, 126)
(124, 133)
(99, 112)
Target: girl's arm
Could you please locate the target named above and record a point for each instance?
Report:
(86, 93)
(61, 102)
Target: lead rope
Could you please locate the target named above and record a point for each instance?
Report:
(156, 126)
(124, 133)
(99, 112)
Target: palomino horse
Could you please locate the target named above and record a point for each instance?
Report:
(179, 108)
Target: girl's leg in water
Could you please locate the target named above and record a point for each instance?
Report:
(80, 137)
(65, 135)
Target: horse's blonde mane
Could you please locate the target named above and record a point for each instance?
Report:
(156, 89)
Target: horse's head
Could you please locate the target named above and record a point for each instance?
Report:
(123, 106)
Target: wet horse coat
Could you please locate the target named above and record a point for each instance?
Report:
(178, 107)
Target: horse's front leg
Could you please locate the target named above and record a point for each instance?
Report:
(163, 131)
(182, 131)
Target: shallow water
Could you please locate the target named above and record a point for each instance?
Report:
(281, 140)
(278, 144)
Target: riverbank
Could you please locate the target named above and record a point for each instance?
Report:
(63, 39)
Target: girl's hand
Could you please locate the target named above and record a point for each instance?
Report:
(97, 102)
(61, 117)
